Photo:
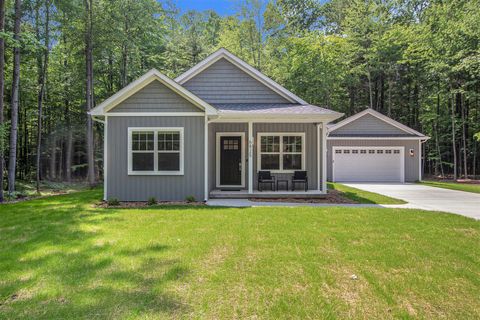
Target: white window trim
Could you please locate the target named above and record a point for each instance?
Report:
(217, 158)
(155, 151)
(281, 153)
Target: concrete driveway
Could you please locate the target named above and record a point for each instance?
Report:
(428, 198)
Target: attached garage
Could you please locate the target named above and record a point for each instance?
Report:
(372, 164)
(370, 147)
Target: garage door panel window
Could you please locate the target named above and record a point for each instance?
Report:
(281, 152)
(157, 151)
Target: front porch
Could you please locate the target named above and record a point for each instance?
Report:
(239, 149)
(244, 194)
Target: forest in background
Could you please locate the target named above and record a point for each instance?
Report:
(415, 61)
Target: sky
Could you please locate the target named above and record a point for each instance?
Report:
(222, 7)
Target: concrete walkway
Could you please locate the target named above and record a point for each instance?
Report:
(428, 198)
(418, 197)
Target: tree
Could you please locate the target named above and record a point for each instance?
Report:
(2, 92)
(42, 75)
(89, 93)
(12, 162)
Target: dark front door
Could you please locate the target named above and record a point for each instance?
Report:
(231, 161)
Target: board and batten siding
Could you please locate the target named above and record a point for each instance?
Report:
(126, 187)
(411, 163)
(212, 149)
(368, 125)
(311, 163)
(155, 97)
(309, 129)
(223, 82)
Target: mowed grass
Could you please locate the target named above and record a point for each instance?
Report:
(63, 258)
(362, 196)
(468, 187)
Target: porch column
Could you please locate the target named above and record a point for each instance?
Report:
(324, 157)
(250, 157)
(319, 156)
(205, 155)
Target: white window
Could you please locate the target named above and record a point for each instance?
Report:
(281, 152)
(155, 151)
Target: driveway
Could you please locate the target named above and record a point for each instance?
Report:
(428, 198)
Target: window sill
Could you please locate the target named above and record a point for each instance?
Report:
(155, 173)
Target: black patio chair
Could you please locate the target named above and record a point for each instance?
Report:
(300, 177)
(265, 177)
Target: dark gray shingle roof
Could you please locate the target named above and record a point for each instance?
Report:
(272, 108)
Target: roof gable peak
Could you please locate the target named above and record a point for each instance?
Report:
(140, 83)
(378, 115)
(242, 65)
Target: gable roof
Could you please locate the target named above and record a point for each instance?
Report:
(380, 116)
(242, 65)
(140, 83)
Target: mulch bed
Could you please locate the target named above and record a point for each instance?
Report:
(333, 196)
(144, 204)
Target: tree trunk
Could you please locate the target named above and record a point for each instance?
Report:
(12, 161)
(369, 76)
(390, 85)
(41, 93)
(2, 93)
(464, 137)
(437, 143)
(68, 138)
(352, 100)
(89, 91)
(53, 156)
(454, 149)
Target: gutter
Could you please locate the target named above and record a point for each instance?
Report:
(94, 118)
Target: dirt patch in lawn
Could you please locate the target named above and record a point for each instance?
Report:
(333, 196)
(451, 180)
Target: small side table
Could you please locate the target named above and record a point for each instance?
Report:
(284, 182)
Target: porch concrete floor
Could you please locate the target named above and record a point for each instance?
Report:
(243, 194)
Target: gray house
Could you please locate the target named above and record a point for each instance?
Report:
(209, 132)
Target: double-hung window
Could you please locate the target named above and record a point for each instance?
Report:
(281, 152)
(155, 151)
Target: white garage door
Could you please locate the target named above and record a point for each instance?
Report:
(368, 164)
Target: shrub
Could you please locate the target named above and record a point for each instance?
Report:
(152, 201)
(113, 202)
(190, 199)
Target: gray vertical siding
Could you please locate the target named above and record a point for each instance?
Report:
(212, 147)
(310, 144)
(155, 97)
(368, 125)
(223, 82)
(139, 188)
(411, 163)
(309, 129)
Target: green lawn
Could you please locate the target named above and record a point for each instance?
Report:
(63, 258)
(468, 187)
(362, 196)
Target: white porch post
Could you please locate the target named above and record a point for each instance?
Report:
(324, 157)
(420, 153)
(105, 159)
(250, 157)
(206, 158)
(319, 182)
